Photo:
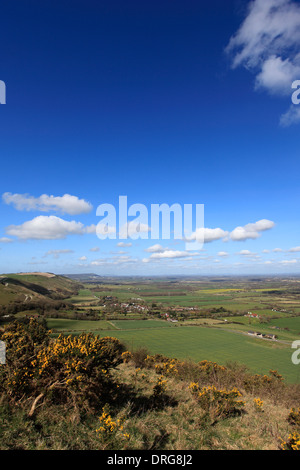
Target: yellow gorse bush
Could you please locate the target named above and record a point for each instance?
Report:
(258, 404)
(126, 356)
(78, 354)
(109, 428)
(68, 368)
(167, 368)
(209, 367)
(294, 416)
(219, 401)
(159, 387)
(293, 442)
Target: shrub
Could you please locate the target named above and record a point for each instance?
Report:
(167, 368)
(126, 356)
(258, 404)
(294, 417)
(271, 385)
(219, 403)
(110, 431)
(293, 442)
(23, 339)
(159, 388)
(69, 369)
(138, 357)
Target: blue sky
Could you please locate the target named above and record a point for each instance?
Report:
(164, 102)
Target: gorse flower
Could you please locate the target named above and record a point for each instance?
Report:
(294, 416)
(108, 427)
(293, 442)
(258, 404)
(220, 401)
(160, 387)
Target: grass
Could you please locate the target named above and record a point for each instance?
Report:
(140, 324)
(214, 345)
(178, 423)
(194, 342)
(66, 325)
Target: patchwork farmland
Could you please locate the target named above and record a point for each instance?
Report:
(196, 319)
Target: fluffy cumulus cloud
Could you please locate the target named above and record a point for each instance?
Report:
(66, 204)
(155, 249)
(46, 228)
(252, 230)
(208, 235)
(267, 43)
(246, 253)
(223, 254)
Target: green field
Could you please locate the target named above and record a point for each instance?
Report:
(140, 324)
(195, 343)
(65, 325)
(200, 333)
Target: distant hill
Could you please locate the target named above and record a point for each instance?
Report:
(23, 287)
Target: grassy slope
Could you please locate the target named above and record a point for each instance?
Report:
(18, 287)
(178, 423)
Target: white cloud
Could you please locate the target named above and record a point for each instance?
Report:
(277, 75)
(66, 204)
(133, 230)
(91, 229)
(155, 249)
(223, 253)
(251, 230)
(45, 228)
(289, 261)
(295, 249)
(267, 43)
(246, 253)
(123, 244)
(56, 253)
(5, 240)
(277, 250)
(172, 254)
(102, 230)
(94, 249)
(99, 262)
(208, 234)
(82, 258)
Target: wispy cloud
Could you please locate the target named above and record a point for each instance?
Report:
(56, 253)
(291, 116)
(267, 43)
(5, 240)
